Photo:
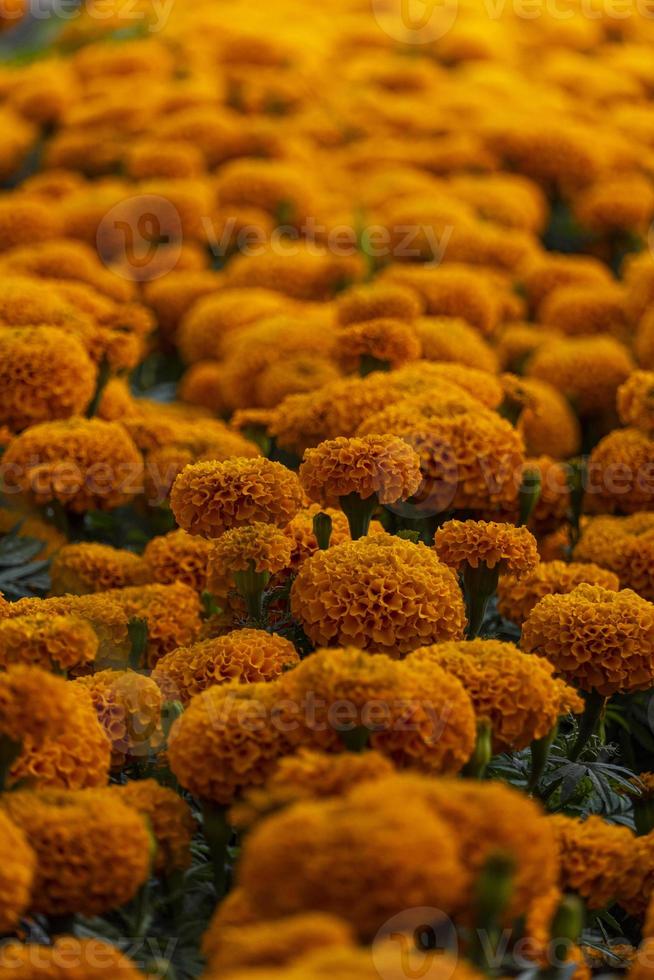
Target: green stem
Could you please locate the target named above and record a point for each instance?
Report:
(644, 816)
(477, 764)
(540, 752)
(359, 513)
(322, 529)
(493, 891)
(251, 585)
(529, 494)
(9, 752)
(217, 834)
(356, 739)
(589, 722)
(104, 373)
(368, 364)
(479, 586)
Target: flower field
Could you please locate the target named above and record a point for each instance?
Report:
(326, 490)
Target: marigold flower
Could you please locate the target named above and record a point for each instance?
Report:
(421, 376)
(20, 135)
(207, 323)
(173, 295)
(261, 548)
(162, 158)
(210, 498)
(91, 567)
(552, 270)
(172, 614)
(577, 310)
(383, 467)
(376, 345)
(201, 385)
(226, 741)
(587, 370)
(476, 543)
(383, 875)
(169, 817)
(77, 959)
(624, 545)
(381, 593)
(178, 557)
(619, 469)
(452, 290)
(517, 694)
(597, 859)
(45, 374)
(452, 339)
(378, 300)
(546, 422)
(307, 274)
(90, 858)
(617, 204)
(302, 372)
(244, 655)
(128, 706)
(485, 818)
(302, 534)
(85, 464)
(17, 867)
(274, 944)
(50, 642)
(598, 640)
(361, 679)
(49, 698)
(635, 400)
(518, 594)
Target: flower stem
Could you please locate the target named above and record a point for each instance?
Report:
(479, 585)
(540, 752)
(9, 752)
(483, 752)
(251, 585)
(358, 512)
(368, 364)
(217, 833)
(589, 722)
(356, 739)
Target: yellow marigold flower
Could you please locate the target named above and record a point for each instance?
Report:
(51, 642)
(518, 341)
(77, 959)
(128, 706)
(516, 693)
(169, 817)
(597, 859)
(178, 557)
(207, 323)
(644, 341)
(246, 655)
(173, 295)
(17, 867)
(640, 968)
(445, 401)
(381, 593)
(485, 818)
(91, 567)
(299, 373)
(635, 400)
(45, 374)
(554, 498)
(452, 339)
(377, 344)
(303, 538)
(19, 136)
(476, 543)
(552, 270)
(210, 498)
(307, 274)
(546, 422)
(85, 464)
(384, 875)
(442, 732)
(116, 401)
(105, 616)
(381, 466)
(587, 370)
(90, 858)
(619, 469)
(625, 546)
(201, 385)
(163, 158)
(172, 614)
(274, 944)
(259, 547)
(423, 375)
(452, 290)
(278, 188)
(49, 698)
(617, 204)
(378, 300)
(67, 266)
(25, 220)
(226, 741)
(518, 594)
(597, 639)
(584, 309)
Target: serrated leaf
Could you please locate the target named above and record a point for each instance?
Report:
(17, 550)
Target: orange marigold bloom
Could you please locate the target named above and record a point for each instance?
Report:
(51, 642)
(641, 966)
(445, 401)
(476, 543)
(587, 370)
(635, 400)
(619, 472)
(169, 817)
(76, 959)
(226, 741)
(453, 290)
(598, 640)
(25, 220)
(91, 858)
(381, 593)
(384, 466)
(49, 698)
(361, 679)
(446, 338)
(303, 539)
(105, 616)
(178, 557)
(201, 385)
(516, 693)
(208, 322)
(261, 547)
(210, 498)
(85, 464)
(547, 423)
(307, 274)
(624, 545)
(397, 853)
(267, 945)
(128, 706)
(551, 270)
(485, 818)
(87, 566)
(382, 342)
(518, 341)
(297, 373)
(172, 614)
(584, 309)
(17, 866)
(245, 655)
(597, 859)
(518, 594)
(378, 300)
(45, 374)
